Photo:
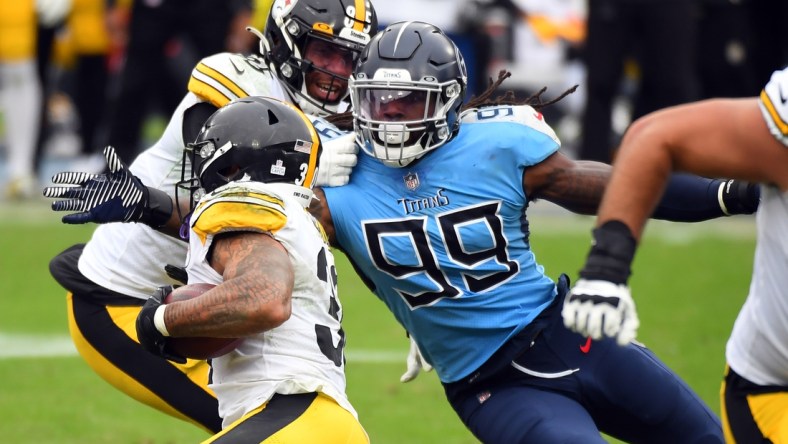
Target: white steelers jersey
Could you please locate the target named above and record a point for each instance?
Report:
(757, 348)
(305, 354)
(130, 258)
(774, 105)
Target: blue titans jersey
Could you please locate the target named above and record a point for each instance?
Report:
(445, 241)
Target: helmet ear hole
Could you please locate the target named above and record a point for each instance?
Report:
(230, 173)
(272, 119)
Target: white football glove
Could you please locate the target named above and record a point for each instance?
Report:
(337, 161)
(415, 362)
(598, 309)
(52, 12)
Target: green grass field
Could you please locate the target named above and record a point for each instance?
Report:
(689, 282)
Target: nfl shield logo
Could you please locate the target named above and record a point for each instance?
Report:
(411, 181)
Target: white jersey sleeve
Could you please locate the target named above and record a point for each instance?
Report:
(522, 114)
(224, 77)
(130, 258)
(306, 353)
(774, 105)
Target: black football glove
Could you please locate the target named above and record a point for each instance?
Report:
(116, 196)
(739, 197)
(151, 339)
(177, 273)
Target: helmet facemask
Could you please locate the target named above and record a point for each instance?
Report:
(407, 91)
(397, 122)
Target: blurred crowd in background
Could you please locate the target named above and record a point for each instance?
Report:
(76, 75)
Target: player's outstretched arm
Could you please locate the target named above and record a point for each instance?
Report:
(578, 186)
(114, 196)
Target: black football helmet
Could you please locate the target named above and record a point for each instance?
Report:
(257, 139)
(414, 66)
(348, 25)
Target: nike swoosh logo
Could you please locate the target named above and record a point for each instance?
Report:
(783, 99)
(238, 69)
(586, 347)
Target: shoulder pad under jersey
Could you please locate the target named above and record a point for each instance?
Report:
(522, 114)
(223, 77)
(239, 206)
(774, 105)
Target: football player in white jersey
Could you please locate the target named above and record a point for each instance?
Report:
(251, 236)
(307, 53)
(743, 138)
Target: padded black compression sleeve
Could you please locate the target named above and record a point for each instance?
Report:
(690, 198)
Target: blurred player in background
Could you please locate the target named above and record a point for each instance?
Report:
(257, 158)
(305, 57)
(742, 138)
(159, 34)
(20, 95)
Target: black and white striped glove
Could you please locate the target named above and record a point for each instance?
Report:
(116, 196)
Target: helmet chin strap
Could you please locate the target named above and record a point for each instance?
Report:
(396, 134)
(265, 47)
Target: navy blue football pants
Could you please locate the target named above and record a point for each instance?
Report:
(550, 385)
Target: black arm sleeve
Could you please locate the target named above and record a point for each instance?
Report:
(690, 198)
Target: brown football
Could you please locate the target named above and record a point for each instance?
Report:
(198, 347)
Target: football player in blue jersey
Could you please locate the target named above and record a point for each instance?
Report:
(306, 54)
(434, 218)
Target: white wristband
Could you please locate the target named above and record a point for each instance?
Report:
(720, 192)
(158, 320)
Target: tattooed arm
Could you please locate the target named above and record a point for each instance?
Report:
(254, 297)
(574, 185)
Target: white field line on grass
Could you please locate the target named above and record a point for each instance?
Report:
(20, 346)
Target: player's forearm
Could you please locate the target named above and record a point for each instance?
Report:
(232, 309)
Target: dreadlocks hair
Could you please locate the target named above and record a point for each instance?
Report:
(508, 98)
(344, 121)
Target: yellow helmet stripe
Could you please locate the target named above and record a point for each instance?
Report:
(310, 173)
(361, 15)
(778, 121)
